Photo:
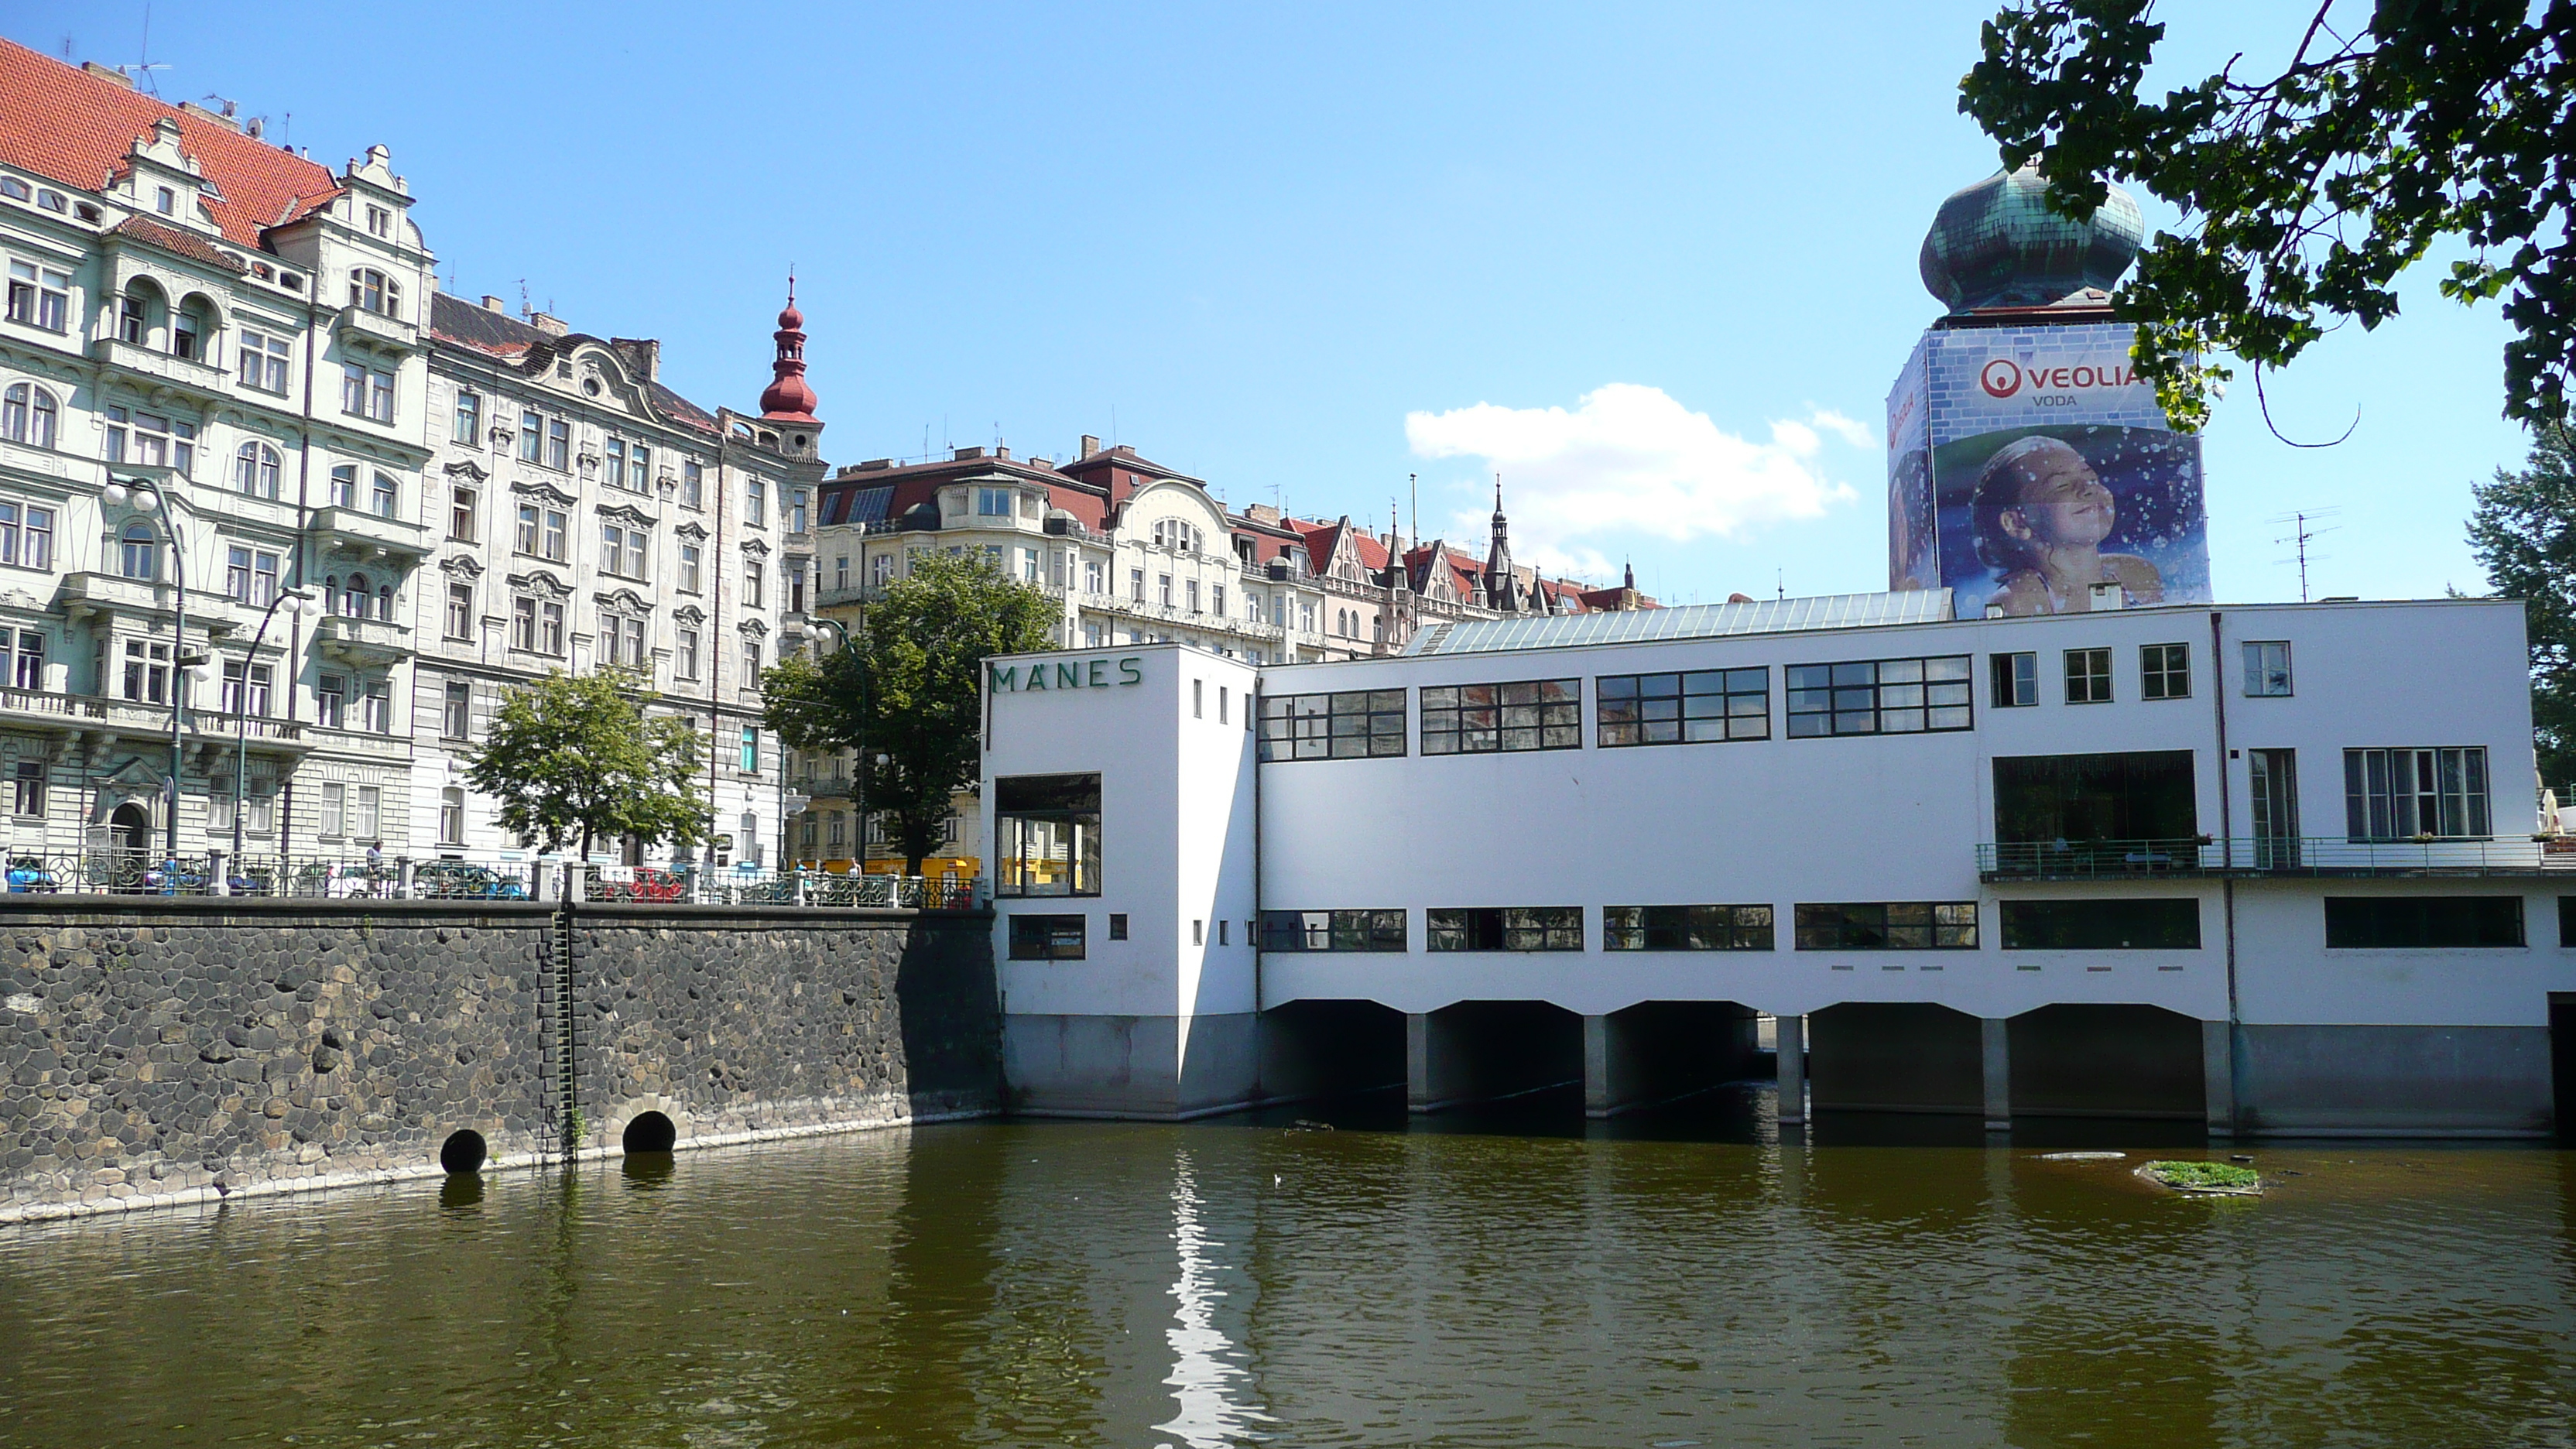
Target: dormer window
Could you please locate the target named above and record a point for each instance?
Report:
(15, 189)
(374, 291)
(165, 201)
(380, 222)
(1176, 535)
(53, 201)
(993, 502)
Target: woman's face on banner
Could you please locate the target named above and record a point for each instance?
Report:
(2062, 502)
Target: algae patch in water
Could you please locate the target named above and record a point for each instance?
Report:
(2204, 1177)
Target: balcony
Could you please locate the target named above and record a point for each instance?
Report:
(84, 594)
(362, 643)
(87, 715)
(201, 380)
(2330, 856)
(383, 333)
(367, 536)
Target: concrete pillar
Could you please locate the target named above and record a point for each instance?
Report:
(402, 878)
(2218, 1075)
(1608, 1068)
(219, 880)
(1421, 1055)
(1790, 1033)
(1995, 1040)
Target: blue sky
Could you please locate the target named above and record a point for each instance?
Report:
(1253, 241)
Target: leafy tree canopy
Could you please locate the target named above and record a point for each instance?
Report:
(907, 694)
(2523, 531)
(576, 758)
(2393, 125)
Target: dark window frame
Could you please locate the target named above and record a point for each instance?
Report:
(1348, 724)
(1083, 852)
(2379, 810)
(1365, 930)
(1689, 928)
(1517, 716)
(1503, 928)
(1042, 937)
(2026, 925)
(1875, 926)
(2387, 917)
(1836, 700)
(1631, 711)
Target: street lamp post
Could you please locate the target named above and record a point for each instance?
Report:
(184, 666)
(295, 602)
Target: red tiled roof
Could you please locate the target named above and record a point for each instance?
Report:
(62, 122)
(170, 239)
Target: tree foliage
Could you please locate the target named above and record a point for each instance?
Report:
(2523, 531)
(907, 694)
(576, 758)
(2393, 125)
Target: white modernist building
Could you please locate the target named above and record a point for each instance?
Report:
(2281, 868)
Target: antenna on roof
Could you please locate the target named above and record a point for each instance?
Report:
(143, 67)
(1414, 481)
(1780, 583)
(524, 309)
(2302, 534)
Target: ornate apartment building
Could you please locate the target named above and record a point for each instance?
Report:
(264, 490)
(1134, 553)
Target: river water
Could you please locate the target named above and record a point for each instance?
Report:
(1679, 1281)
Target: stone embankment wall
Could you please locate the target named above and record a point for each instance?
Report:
(161, 1050)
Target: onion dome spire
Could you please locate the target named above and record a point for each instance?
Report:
(789, 397)
(1997, 244)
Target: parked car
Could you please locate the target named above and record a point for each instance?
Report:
(29, 874)
(457, 880)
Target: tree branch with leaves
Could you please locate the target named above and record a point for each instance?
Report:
(907, 694)
(2393, 126)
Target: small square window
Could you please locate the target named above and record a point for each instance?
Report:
(1117, 926)
(2088, 676)
(2267, 669)
(2164, 671)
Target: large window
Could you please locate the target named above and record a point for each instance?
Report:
(467, 425)
(1533, 714)
(1355, 724)
(1879, 697)
(2359, 922)
(1686, 928)
(2408, 794)
(2060, 799)
(1506, 928)
(26, 535)
(2166, 924)
(1676, 709)
(1370, 930)
(1047, 938)
(1046, 835)
(1888, 926)
(255, 470)
(29, 414)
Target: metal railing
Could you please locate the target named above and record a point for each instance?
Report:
(2315, 855)
(213, 873)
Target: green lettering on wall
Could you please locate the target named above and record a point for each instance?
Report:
(1129, 673)
(1005, 680)
(1068, 676)
(1099, 673)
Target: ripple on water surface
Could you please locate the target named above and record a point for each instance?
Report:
(1241, 1281)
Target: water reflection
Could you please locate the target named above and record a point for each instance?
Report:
(1348, 1281)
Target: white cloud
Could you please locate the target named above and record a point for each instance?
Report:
(1630, 460)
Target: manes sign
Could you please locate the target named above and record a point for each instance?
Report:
(1064, 674)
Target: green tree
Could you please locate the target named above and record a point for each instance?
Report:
(907, 694)
(2523, 531)
(2394, 125)
(576, 758)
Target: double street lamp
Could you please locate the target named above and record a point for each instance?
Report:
(294, 603)
(186, 666)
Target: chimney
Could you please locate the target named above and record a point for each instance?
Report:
(1090, 445)
(965, 453)
(493, 304)
(548, 323)
(107, 73)
(1002, 453)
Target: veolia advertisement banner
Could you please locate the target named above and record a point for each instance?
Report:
(2046, 468)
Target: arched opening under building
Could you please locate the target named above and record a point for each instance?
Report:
(1480, 1051)
(2085, 1059)
(1895, 1056)
(1330, 1049)
(463, 1151)
(649, 1132)
(1656, 1051)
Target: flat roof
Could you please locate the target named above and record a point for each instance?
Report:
(1684, 621)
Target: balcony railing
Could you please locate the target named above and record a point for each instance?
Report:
(86, 711)
(2262, 856)
(196, 375)
(363, 535)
